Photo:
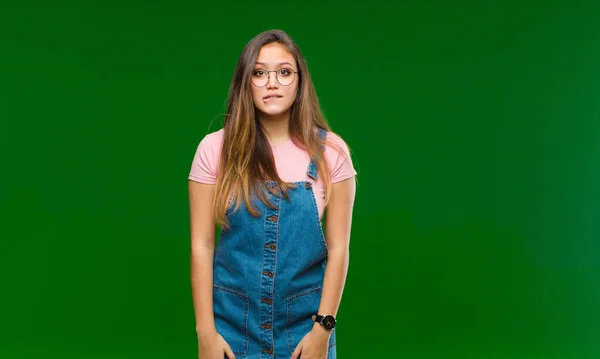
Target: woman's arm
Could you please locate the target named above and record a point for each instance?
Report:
(202, 229)
(338, 222)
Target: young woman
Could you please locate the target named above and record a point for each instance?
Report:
(272, 286)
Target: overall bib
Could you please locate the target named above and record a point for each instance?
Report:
(268, 274)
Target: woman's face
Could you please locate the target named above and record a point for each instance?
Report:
(273, 98)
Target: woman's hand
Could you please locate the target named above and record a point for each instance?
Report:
(314, 345)
(212, 346)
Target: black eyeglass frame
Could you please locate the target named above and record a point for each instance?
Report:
(276, 78)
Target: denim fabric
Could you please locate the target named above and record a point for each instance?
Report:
(268, 274)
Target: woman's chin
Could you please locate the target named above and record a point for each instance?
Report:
(273, 112)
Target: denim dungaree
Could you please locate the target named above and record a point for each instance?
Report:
(268, 274)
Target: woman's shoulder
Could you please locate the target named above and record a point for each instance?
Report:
(212, 141)
(205, 164)
(338, 157)
(334, 142)
(214, 137)
(334, 136)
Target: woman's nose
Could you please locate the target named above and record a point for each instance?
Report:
(272, 83)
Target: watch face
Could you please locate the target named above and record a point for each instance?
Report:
(329, 322)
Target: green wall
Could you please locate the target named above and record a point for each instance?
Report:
(474, 127)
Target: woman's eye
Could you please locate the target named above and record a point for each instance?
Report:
(284, 72)
(258, 73)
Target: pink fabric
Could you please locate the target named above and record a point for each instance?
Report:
(291, 163)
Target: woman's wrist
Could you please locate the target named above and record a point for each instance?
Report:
(205, 331)
(318, 328)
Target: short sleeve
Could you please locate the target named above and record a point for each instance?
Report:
(205, 164)
(338, 158)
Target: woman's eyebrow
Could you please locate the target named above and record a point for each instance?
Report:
(279, 64)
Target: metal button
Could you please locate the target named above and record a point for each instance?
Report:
(272, 246)
(308, 185)
(267, 300)
(273, 218)
(269, 274)
(268, 351)
(266, 326)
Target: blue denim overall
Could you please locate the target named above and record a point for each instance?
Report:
(268, 274)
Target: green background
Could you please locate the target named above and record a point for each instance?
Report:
(474, 127)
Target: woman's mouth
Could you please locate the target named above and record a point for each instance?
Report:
(270, 98)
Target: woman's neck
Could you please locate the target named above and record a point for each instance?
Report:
(277, 128)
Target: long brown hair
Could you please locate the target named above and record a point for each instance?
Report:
(246, 158)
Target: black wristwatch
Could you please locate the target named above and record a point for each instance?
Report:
(327, 321)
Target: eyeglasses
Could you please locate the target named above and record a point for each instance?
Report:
(285, 77)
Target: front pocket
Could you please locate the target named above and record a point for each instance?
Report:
(231, 318)
(300, 309)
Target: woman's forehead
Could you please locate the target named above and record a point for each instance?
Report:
(274, 55)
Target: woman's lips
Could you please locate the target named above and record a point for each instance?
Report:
(271, 98)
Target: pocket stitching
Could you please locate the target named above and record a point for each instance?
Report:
(289, 300)
(244, 347)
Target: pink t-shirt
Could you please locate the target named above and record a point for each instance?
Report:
(291, 163)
